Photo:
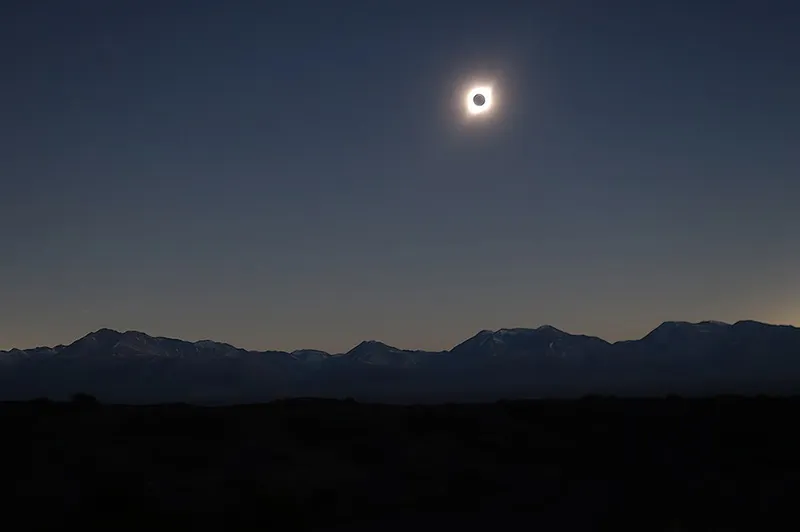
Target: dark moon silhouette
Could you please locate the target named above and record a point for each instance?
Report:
(479, 99)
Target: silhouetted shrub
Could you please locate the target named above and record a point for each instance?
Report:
(42, 401)
(84, 399)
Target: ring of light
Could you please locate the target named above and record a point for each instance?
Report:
(472, 107)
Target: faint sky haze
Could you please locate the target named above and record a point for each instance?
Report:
(286, 175)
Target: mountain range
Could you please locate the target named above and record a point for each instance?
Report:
(675, 358)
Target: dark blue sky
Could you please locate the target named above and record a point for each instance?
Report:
(301, 174)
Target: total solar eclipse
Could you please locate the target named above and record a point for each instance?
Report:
(479, 100)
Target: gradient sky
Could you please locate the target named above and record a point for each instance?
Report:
(299, 174)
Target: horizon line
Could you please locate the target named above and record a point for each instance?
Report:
(493, 331)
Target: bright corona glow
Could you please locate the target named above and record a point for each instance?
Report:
(472, 107)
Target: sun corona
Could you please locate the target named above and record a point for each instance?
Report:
(478, 100)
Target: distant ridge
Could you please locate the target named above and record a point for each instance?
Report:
(675, 357)
(663, 326)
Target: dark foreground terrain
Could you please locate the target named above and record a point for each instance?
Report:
(595, 464)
